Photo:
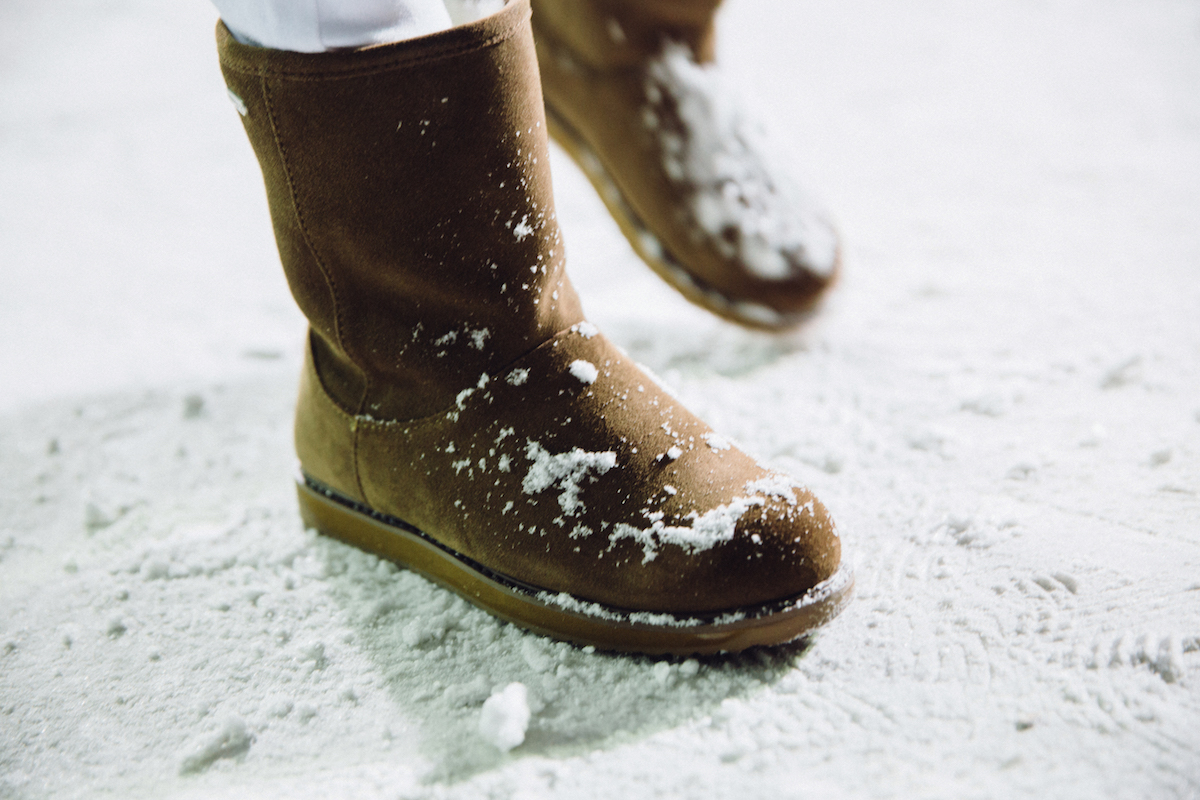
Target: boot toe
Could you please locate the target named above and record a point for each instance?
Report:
(748, 553)
(575, 473)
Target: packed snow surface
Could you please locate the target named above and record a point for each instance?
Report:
(999, 404)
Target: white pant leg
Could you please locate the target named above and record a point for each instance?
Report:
(312, 26)
(464, 11)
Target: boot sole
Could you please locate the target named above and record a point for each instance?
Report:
(656, 255)
(559, 615)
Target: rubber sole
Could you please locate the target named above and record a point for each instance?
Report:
(559, 615)
(655, 254)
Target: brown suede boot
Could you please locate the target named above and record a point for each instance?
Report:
(457, 414)
(632, 95)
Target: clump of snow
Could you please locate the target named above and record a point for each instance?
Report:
(479, 337)
(230, 740)
(716, 441)
(585, 329)
(522, 228)
(741, 199)
(703, 532)
(567, 471)
(584, 370)
(518, 377)
(774, 484)
(504, 717)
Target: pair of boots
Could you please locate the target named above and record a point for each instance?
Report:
(457, 413)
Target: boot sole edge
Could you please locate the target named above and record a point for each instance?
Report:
(561, 616)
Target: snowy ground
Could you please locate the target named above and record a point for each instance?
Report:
(1001, 405)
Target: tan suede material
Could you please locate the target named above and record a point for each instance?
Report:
(595, 56)
(416, 284)
(608, 34)
(325, 434)
(451, 382)
(462, 476)
(472, 475)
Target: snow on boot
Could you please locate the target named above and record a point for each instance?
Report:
(457, 414)
(633, 96)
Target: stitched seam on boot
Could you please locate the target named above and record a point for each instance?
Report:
(351, 72)
(304, 232)
(354, 440)
(350, 419)
(329, 281)
(352, 422)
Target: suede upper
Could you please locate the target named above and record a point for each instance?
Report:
(451, 381)
(601, 67)
(414, 284)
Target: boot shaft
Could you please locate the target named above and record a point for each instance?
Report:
(409, 189)
(611, 34)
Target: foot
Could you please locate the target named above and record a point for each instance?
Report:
(633, 96)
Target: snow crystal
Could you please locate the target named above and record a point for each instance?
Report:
(566, 470)
(717, 442)
(585, 329)
(505, 717)
(585, 371)
(673, 452)
(479, 337)
(744, 203)
(523, 229)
